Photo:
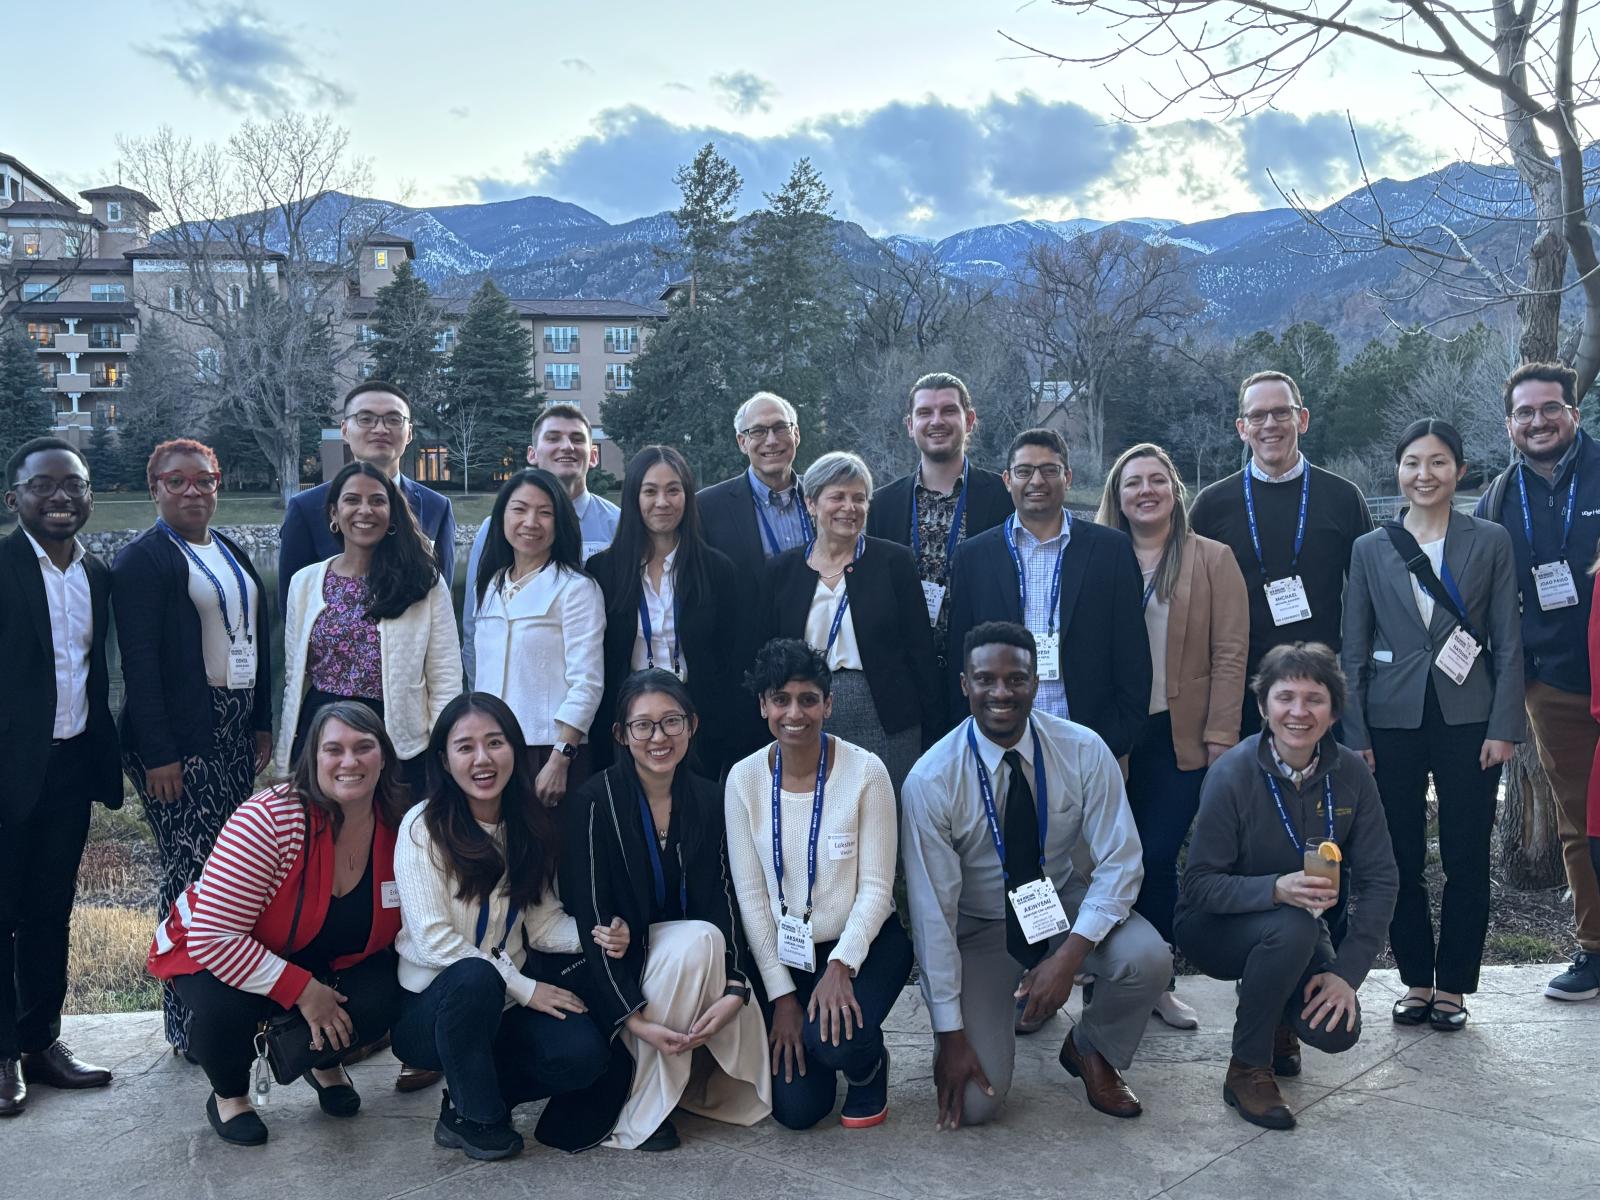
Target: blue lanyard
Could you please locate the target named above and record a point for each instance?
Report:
(657, 873)
(1041, 797)
(816, 824)
(644, 628)
(1300, 523)
(1022, 578)
(1283, 813)
(805, 520)
(216, 584)
(844, 601)
(1566, 517)
(1449, 581)
(954, 536)
(483, 924)
(1150, 589)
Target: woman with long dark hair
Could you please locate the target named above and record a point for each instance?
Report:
(476, 870)
(645, 844)
(540, 627)
(672, 603)
(373, 623)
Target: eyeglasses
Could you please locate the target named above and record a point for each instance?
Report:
(1049, 472)
(393, 422)
(44, 486)
(1277, 416)
(760, 433)
(1550, 411)
(177, 483)
(672, 725)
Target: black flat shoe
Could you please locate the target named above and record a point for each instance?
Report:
(336, 1099)
(1412, 1010)
(246, 1129)
(1448, 1019)
(664, 1138)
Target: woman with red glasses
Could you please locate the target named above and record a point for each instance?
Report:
(193, 632)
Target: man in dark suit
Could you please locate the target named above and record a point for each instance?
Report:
(946, 499)
(59, 745)
(761, 511)
(377, 427)
(1094, 651)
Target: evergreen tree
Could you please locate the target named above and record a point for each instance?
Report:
(489, 395)
(405, 351)
(705, 220)
(24, 403)
(106, 464)
(163, 400)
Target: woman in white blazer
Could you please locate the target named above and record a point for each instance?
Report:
(373, 623)
(539, 639)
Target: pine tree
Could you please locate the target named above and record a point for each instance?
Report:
(106, 463)
(705, 220)
(405, 351)
(489, 395)
(24, 403)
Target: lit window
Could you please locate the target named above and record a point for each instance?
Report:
(42, 333)
(30, 245)
(113, 211)
(380, 260)
(619, 377)
(562, 377)
(622, 339)
(108, 293)
(560, 339)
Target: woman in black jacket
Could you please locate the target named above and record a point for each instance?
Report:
(645, 842)
(672, 603)
(193, 631)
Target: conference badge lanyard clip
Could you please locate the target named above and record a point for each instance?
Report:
(933, 593)
(796, 946)
(1552, 581)
(1286, 597)
(241, 639)
(649, 641)
(1288, 822)
(1049, 644)
(807, 531)
(1036, 903)
(483, 927)
(1456, 656)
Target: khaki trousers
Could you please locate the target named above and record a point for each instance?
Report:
(1565, 734)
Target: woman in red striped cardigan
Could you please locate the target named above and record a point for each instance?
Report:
(296, 908)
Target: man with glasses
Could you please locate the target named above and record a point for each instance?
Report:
(377, 427)
(760, 512)
(1548, 499)
(61, 753)
(1290, 525)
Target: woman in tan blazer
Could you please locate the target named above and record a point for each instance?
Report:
(1197, 613)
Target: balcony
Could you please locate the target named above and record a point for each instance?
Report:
(67, 381)
(71, 343)
(109, 379)
(561, 345)
(113, 340)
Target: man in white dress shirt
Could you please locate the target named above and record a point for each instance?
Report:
(996, 814)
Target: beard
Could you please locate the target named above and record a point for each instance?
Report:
(943, 454)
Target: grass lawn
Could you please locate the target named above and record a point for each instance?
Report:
(127, 510)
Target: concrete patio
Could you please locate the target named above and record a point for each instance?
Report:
(1506, 1109)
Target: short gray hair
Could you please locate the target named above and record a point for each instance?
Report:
(837, 466)
(789, 413)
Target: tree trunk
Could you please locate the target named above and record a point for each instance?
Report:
(1529, 847)
(288, 465)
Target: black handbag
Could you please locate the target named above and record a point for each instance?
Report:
(284, 1040)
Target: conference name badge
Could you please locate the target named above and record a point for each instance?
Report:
(1287, 600)
(841, 846)
(933, 594)
(241, 664)
(796, 948)
(391, 894)
(1050, 656)
(1038, 910)
(1554, 583)
(1457, 655)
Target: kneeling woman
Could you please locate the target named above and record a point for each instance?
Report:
(294, 909)
(812, 839)
(476, 868)
(645, 844)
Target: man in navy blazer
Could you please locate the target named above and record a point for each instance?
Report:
(760, 512)
(1102, 661)
(377, 427)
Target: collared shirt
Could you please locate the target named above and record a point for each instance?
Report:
(845, 654)
(1039, 569)
(71, 633)
(662, 606)
(1293, 472)
(1091, 845)
(597, 522)
(1562, 463)
(1296, 776)
(782, 511)
(935, 511)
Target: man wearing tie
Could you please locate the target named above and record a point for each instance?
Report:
(996, 814)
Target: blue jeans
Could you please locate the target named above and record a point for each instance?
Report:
(806, 1099)
(494, 1058)
(1164, 801)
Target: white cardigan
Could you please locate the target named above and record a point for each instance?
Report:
(543, 652)
(421, 663)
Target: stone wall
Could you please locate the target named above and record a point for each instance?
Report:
(260, 542)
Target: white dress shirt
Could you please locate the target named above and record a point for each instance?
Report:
(71, 633)
(1293, 472)
(662, 605)
(845, 655)
(1039, 559)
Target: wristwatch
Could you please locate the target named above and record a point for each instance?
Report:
(565, 749)
(739, 990)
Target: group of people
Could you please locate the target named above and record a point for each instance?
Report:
(668, 822)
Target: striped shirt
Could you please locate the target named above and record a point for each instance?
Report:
(1039, 569)
(781, 510)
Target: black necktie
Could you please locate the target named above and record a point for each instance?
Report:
(1021, 831)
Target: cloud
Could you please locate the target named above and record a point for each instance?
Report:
(461, 112)
(1315, 156)
(672, 85)
(239, 60)
(743, 93)
(580, 65)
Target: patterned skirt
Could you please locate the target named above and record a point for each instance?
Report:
(855, 719)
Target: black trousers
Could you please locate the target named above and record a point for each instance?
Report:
(222, 1027)
(1164, 800)
(38, 879)
(1273, 954)
(1467, 797)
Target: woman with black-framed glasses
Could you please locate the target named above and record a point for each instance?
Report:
(194, 636)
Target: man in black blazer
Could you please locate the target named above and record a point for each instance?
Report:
(59, 746)
(761, 511)
(1101, 662)
(377, 427)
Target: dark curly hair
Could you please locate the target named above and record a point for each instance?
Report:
(783, 659)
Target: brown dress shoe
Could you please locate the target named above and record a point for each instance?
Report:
(1104, 1087)
(13, 1088)
(414, 1079)
(58, 1067)
(360, 1053)
(1254, 1092)
(1285, 1051)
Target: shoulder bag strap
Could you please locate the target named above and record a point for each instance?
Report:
(305, 868)
(1418, 564)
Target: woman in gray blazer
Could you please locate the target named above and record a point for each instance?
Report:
(1433, 652)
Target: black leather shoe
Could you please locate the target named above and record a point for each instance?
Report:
(13, 1088)
(336, 1099)
(1412, 1010)
(664, 1138)
(1447, 1016)
(58, 1067)
(247, 1129)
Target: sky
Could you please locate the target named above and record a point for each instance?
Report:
(921, 116)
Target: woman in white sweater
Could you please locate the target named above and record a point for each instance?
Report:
(475, 868)
(539, 638)
(373, 623)
(817, 896)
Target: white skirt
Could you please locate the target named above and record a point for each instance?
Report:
(727, 1079)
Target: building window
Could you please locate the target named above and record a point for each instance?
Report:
(108, 375)
(30, 245)
(235, 297)
(433, 464)
(113, 211)
(380, 260)
(71, 245)
(445, 340)
(104, 336)
(208, 364)
(560, 339)
(562, 377)
(368, 369)
(619, 377)
(41, 293)
(108, 293)
(622, 339)
(177, 297)
(42, 333)
(364, 334)
(109, 412)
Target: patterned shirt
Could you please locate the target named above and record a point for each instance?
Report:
(1039, 569)
(935, 511)
(345, 658)
(784, 513)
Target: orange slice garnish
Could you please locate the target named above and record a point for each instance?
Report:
(1330, 852)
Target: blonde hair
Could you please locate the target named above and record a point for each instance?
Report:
(1111, 513)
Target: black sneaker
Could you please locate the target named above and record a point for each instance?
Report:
(1580, 981)
(474, 1138)
(867, 1103)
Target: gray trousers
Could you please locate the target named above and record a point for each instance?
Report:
(1130, 968)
